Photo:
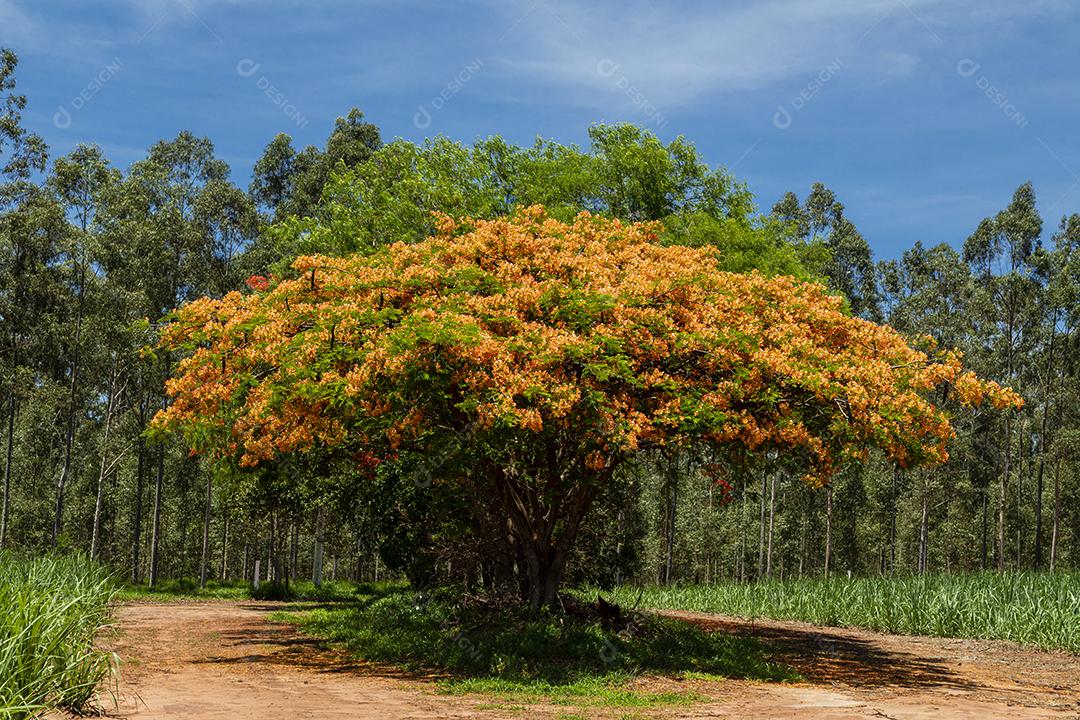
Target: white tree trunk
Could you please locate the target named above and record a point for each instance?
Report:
(320, 538)
(1057, 515)
(104, 468)
(205, 559)
(772, 520)
(828, 531)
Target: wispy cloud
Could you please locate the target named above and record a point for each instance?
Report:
(14, 23)
(675, 52)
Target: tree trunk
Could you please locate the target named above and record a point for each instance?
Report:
(1021, 467)
(204, 560)
(225, 545)
(320, 538)
(828, 530)
(1009, 365)
(155, 535)
(1057, 515)
(892, 520)
(294, 550)
(1047, 391)
(13, 408)
(111, 514)
(924, 532)
(69, 435)
(985, 525)
(159, 483)
(742, 530)
(761, 525)
(1003, 495)
(274, 561)
(140, 472)
(104, 467)
(672, 513)
(804, 545)
(534, 523)
(65, 469)
(359, 561)
(772, 519)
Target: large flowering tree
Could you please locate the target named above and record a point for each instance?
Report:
(550, 353)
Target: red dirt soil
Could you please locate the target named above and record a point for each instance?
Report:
(224, 660)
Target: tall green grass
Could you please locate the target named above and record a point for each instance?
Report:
(50, 611)
(1040, 609)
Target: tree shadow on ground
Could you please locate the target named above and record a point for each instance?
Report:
(820, 656)
(404, 635)
(282, 645)
(825, 656)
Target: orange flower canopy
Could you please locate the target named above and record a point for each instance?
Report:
(591, 335)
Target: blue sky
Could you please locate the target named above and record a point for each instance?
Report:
(922, 115)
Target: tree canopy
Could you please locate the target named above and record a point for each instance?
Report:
(627, 172)
(553, 352)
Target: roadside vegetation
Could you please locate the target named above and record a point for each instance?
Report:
(183, 589)
(1040, 609)
(52, 610)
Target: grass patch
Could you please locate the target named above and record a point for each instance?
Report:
(51, 609)
(501, 706)
(184, 589)
(305, 591)
(297, 591)
(556, 658)
(1040, 609)
(606, 690)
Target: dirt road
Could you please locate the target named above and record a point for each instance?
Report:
(224, 660)
(860, 674)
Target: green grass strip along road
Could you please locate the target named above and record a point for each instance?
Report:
(1040, 609)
